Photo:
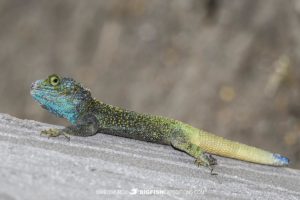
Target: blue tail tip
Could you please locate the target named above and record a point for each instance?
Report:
(281, 160)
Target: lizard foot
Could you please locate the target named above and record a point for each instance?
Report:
(211, 159)
(206, 160)
(54, 133)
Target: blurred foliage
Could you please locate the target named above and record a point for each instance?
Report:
(229, 67)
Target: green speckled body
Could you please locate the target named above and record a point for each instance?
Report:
(67, 98)
(130, 124)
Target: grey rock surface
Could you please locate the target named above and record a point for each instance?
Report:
(109, 167)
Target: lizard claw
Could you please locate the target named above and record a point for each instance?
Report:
(211, 160)
(206, 160)
(54, 133)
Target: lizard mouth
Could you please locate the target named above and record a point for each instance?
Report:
(35, 91)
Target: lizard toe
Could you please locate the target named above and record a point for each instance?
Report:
(54, 133)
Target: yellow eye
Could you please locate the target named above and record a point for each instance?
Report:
(54, 80)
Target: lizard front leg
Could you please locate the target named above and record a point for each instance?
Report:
(85, 126)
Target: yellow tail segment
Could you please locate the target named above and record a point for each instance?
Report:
(217, 145)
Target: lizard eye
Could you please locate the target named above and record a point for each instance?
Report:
(54, 80)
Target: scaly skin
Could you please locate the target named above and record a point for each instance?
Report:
(66, 98)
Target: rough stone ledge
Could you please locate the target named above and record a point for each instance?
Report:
(104, 166)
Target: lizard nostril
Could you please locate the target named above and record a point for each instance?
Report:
(33, 85)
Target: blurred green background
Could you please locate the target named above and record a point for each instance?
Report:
(227, 66)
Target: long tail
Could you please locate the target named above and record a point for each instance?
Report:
(219, 146)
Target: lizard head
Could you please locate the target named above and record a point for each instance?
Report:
(63, 97)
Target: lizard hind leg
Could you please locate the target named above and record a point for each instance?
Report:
(206, 160)
(202, 158)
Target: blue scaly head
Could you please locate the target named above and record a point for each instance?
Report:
(63, 97)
